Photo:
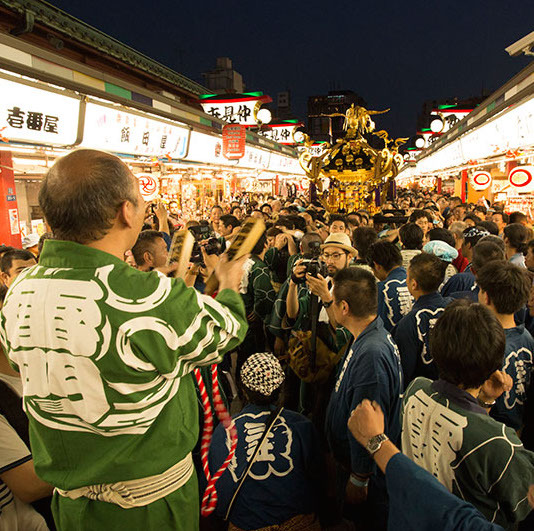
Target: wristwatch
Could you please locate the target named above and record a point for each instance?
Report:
(375, 443)
(485, 405)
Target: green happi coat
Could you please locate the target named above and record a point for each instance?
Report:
(106, 354)
(478, 459)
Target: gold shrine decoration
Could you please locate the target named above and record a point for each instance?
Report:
(349, 172)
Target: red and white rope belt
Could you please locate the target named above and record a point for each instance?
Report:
(209, 500)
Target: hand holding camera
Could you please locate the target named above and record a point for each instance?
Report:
(299, 272)
(318, 285)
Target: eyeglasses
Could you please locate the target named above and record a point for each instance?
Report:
(333, 256)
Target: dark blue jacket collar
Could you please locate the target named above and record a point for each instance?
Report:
(458, 396)
(376, 324)
(430, 299)
(399, 273)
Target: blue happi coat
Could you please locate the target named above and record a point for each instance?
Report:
(394, 299)
(412, 336)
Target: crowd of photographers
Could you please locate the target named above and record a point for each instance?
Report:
(384, 378)
(405, 265)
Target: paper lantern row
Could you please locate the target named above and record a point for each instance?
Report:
(521, 178)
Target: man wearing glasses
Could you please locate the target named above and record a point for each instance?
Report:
(336, 254)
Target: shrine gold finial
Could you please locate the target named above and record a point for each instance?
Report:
(348, 173)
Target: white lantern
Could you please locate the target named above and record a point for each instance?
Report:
(420, 142)
(522, 178)
(480, 180)
(436, 125)
(263, 116)
(298, 136)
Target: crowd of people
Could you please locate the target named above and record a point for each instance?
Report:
(377, 364)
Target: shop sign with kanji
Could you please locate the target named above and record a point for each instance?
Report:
(234, 138)
(281, 133)
(235, 108)
(35, 115)
(116, 130)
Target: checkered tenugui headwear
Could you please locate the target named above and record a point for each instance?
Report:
(475, 232)
(262, 373)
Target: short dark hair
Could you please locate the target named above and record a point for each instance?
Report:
(259, 399)
(507, 285)
(362, 239)
(493, 238)
(145, 242)
(490, 226)
(6, 263)
(517, 217)
(357, 287)
(467, 344)
(428, 270)
(228, 219)
(386, 254)
(272, 232)
(3, 292)
(337, 217)
(530, 245)
(517, 235)
(503, 215)
(484, 252)
(260, 245)
(473, 217)
(82, 193)
(5, 248)
(217, 206)
(351, 218)
(411, 236)
(418, 214)
(312, 213)
(443, 235)
(298, 222)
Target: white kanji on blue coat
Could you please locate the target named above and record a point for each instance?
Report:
(518, 365)
(274, 456)
(425, 320)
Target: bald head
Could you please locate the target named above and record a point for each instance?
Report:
(83, 192)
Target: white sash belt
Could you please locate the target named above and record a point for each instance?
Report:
(137, 492)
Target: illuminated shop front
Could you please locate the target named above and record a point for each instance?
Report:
(489, 153)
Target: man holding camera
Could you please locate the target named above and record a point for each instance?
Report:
(311, 309)
(337, 254)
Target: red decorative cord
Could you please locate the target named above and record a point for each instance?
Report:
(209, 500)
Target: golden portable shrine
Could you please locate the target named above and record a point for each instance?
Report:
(352, 173)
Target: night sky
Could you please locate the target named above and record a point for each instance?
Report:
(393, 54)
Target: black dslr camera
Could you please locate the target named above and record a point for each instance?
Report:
(204, 237)
(311, 260)
(314, 267)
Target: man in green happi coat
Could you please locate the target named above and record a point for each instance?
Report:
(106, 354)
